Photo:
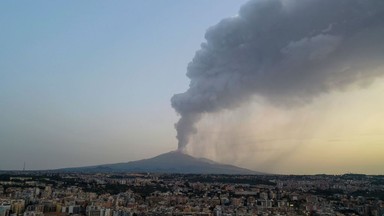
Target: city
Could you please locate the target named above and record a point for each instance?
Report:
(123, 194)
(192, 108)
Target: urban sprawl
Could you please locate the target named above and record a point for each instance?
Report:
(122, 194)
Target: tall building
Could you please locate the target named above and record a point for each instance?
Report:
(4, 209)
(18, 206)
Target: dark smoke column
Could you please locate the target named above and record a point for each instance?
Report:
(286, 51)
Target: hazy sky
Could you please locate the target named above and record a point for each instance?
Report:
(90, 82)
(85, 83)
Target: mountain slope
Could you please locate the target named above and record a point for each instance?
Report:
(171, 162)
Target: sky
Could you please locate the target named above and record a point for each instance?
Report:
(86, 83)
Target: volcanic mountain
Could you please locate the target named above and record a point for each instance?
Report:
(171, 162)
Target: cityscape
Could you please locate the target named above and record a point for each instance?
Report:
(122, 194)
(192, 108)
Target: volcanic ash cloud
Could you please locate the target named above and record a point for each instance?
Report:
(285, 51)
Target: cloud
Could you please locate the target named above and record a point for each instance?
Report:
(285, 51)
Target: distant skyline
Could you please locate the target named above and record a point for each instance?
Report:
(87, 83)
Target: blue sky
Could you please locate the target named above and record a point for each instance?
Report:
(89, 82)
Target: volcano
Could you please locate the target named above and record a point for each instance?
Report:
(171, 162)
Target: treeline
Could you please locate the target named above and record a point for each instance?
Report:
(228, 179)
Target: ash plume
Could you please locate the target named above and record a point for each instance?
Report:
(285, 51)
